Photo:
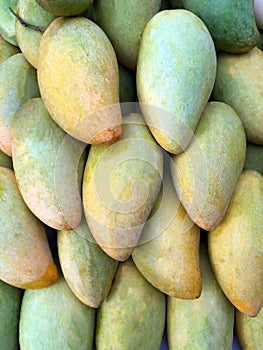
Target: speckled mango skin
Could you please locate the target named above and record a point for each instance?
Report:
(10, 302)
(249, 330)
(175, 76)
(124, 21)
(121, 183)
(27, 38)
(6, 49)
(254, 158)
(48, 187)
(65, 7)
(18, 83)
(239, 83)
(169, 254)
(79, 81)
(231, 23)
(53, 318)
(5, 160)
(235, 246)
(204, 323)
(133, 314)
(205, 175)
(87, 269)
(25, 258)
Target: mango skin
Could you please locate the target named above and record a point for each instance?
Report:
(254, 158)
(174, 94)
(205, 175)
(124, 21)
(240, 78)
(87, 269)
(168, 252)
(78, 80)
(235, 246)
(10, 302)
(121, 183)
(25, 258)
(53, 318)
(52, 192)
(65, 7)
(6, 49)
(133, 314)
(18, 83)
(204, 323)
(7, 21)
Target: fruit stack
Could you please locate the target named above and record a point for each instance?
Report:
(131, 161)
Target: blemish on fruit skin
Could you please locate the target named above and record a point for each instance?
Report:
(49, 277)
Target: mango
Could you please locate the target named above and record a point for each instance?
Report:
(41, 148)
(65, 7)
(174, 93)
(18, 83)
(79, 81)
(25, 258)
(87, 269)
(5, 161)
(53, 318)
(254, 158)
(133, 314)
(7, 21)
(6, 49)
(120, 186)
(124, 21)
(235, 246)
(205, 175)
(204, 323)
(240, 78)
(168, 251)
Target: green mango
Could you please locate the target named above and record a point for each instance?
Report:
(133, 314)
(5, 161)
(175, 76)
(127, 85)
(254, 158)
(204, 323)
(168, 251)
(87, 269)
(124, 21)
(231, 23)
(10, 301)
(240, 78)
(120, 186)
(53, 318)
(235, 246)
(65, 7)
(6, 49)
(205, 175)
(41, 148)
(7, 21)
(18, 83)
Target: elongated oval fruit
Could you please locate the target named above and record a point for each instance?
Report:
(235, 246)
(168, 256)
(53, 318)
(65, 7)
(133, 314)
(254, 158)
(87, 269)
(79, 81)
(18, 83)
(46, 179)
(25, 257)
(124, 21)
(240, 78)
(204, 323)
(120, 186)
(10, 302)
(205, 175)
(6, 49)
(7, 21)
(174, 94)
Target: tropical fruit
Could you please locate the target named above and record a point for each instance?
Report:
(124, 21)
(5, 160)
(254, 158)
(231, 23)
(25, 258)
(18, 83)
(10, 302)
(65, 7)
(79, 81)
(6, 49)
(168, 251)
(7, 20)
(87, 269)
(204, 323)
(240, 78)
(133, 314)
(53, 318)
(120, 186)
(46, 162)
(205, 175)
(235, 246)
(173, 94)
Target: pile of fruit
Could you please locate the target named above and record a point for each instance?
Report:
(131, 162)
